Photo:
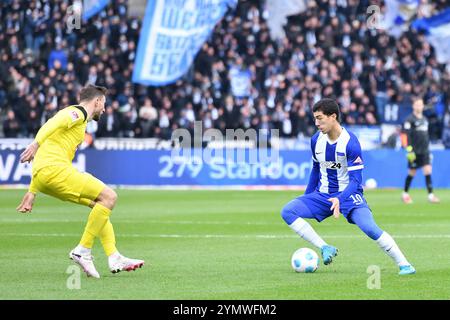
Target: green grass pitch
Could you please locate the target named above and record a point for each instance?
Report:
(209, 245)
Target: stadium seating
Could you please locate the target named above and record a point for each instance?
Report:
(327, 51)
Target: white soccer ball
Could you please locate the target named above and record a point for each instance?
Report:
(305, 260)
(371, 183)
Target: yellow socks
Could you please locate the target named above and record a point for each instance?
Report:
(97, 220)
(108, 239)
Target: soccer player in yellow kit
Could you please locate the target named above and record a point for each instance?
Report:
(53, 150)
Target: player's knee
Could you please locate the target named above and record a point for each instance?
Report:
(112, 197)
(108, 198)
(288, 215)
(372, 231)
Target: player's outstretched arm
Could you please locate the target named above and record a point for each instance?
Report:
(27, 202)
(314, 178)
(355, 178)
(29, 152)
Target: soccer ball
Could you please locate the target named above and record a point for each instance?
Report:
(371, 183)
(305, 260)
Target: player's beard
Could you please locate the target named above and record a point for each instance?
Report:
(96, 117)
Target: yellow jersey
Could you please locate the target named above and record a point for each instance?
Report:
(60, 137)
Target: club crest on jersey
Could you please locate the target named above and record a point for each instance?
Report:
(358, 160)
(74, 115)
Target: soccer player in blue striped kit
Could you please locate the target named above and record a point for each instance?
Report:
(334, 187)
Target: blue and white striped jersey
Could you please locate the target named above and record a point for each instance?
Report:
(336, 159)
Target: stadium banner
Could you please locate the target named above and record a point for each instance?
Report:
(173, 32)
(159, 168)
(92, 7)
(437, 31)
(395, 113)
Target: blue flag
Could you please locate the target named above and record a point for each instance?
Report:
(92, 7)
(437, 31)
(173, 32)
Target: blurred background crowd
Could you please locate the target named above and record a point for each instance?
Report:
(327, 51)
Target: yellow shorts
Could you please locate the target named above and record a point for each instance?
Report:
(68, 184)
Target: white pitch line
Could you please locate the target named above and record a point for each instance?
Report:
(221, 236)
(200, 222)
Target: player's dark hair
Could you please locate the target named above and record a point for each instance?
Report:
(90, 92)
(327, 107)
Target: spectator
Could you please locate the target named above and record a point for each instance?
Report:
(11, 127)
(109, 124)
(58, 54)
(394, 139)
(147, 118)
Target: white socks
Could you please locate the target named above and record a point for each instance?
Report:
(387, 243)
(304, 230)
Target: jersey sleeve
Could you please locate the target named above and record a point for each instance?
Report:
(75, 116)
(32, 187)
(65, 118)
(407, 129)
(314, 139)
(407, 125)
(354, 155)
(314, 178)
(315, 172)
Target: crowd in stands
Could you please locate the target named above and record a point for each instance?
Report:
(328, 51)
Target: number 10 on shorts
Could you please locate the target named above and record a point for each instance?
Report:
(357, 199)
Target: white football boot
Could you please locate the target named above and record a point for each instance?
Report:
(406, 198)
(433, 199)
(86, 262)
(118, 262)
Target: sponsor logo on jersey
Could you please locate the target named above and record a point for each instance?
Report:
(423, 127)
(330, 165)
(74, 115)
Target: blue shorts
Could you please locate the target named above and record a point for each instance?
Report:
(319, 206)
